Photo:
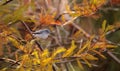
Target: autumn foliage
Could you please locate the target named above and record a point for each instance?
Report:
(67, 47)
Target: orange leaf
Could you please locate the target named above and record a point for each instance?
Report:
(48, 20)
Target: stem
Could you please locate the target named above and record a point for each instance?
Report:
(39, 45)
(7, 2)
(113, 57)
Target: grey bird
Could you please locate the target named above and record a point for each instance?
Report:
(42, 33)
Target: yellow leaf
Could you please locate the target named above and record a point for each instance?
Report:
(90, 57)
(36, 61)
(46, 61)
(104, 25)
(25, 58)
(21, 69)
(70, 50)
(99, 54)
(48, 20)
(77, 34)
(86, 62)
(99, 45)
(80, 65)
(50, 67)
(58, 50)
(14, 41)
(103, 45)
(68, 9)
(21, 47)
(35, 53)
(93, 1)
(45, 53)
(110, 27)
(14, 30)
(111, 46)
(84, 47)
(4, 69)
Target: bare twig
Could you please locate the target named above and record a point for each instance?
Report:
(58, 34)
(9, 60)
(70, 64)
(14, 62)
(113, 56)
(83, 31)
(32, 35)
(112, 31)
(63, 66)
(70, 21)
(76, 26)
(72, 60)
(46, 4)
(8, 1)
(56, 40)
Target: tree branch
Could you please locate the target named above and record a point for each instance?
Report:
(113, 56)
(39, 45)
(8, 1)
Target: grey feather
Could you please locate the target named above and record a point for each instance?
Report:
(43, 33)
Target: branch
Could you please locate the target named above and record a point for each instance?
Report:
(82, 30)
(8, 1)
(70, 21)
(112, 31)
(28, 29)
(76, 26)
(96, 39)
(75, 60)
(58, 35)
(10, 60)
(113, 57)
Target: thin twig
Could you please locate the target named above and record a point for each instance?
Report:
(14, 62)
(39, 45)
(59, 42)
(8, 1)
(70, 64)
(83, 31)
(112, 31)
(113, 56)
(70, 21)
(58, 34)
(75, 60)
(46, 4)
(9, 60)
